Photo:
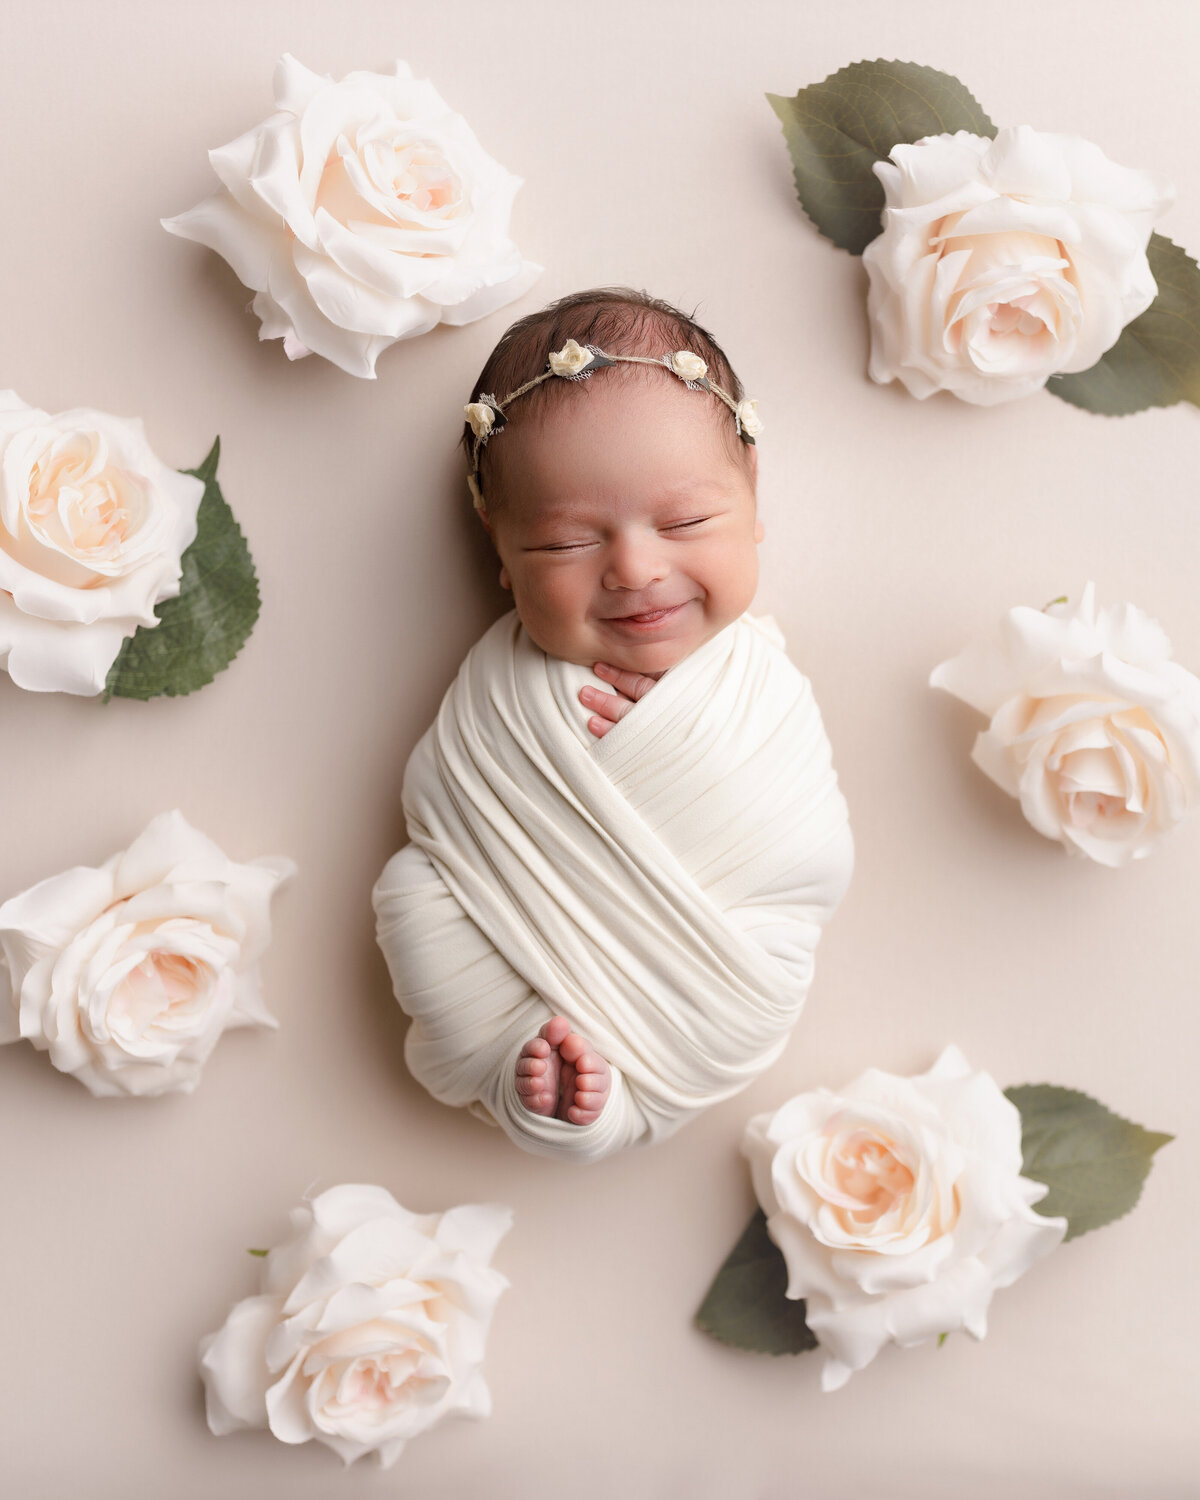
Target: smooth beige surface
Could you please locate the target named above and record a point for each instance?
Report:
(894, 531)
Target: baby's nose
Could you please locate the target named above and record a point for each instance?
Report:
(634, 562)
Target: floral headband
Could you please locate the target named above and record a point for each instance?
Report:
(576, 362)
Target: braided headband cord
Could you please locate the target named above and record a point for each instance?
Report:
(577, 362)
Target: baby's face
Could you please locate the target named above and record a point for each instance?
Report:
(627, 533)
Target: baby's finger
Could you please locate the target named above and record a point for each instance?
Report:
(607, 705)
(634, 685)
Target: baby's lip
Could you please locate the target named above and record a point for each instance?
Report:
(648, 612)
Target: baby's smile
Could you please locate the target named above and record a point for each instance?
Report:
(652, 617)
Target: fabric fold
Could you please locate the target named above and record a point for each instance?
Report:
(663, 888)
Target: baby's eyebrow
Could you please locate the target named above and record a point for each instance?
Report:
(688, 487)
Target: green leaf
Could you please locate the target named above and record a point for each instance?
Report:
(747, 1305)
(1156, 361)
(258, 1252)
(201, 630)
(942, 1337)
(1093, 1161)
(837, 130)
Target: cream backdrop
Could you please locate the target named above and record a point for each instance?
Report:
(894, 531)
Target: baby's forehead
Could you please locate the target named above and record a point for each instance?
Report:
(637, 497)
(641, 438)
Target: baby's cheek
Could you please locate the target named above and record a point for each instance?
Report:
(556, 617)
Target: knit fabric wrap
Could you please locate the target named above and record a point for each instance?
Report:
(663, 887)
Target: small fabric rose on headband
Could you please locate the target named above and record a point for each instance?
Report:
(481, 417)
(570, 359)
(749, 421)
(688, 366)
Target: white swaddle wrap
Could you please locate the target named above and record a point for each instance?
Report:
(663, 887)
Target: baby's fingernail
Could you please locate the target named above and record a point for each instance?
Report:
(601, 670)
(587, 694)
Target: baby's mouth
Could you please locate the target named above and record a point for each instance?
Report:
(649, 617)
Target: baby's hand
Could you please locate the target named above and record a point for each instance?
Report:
(611, 708)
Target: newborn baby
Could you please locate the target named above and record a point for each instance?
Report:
(626, 829)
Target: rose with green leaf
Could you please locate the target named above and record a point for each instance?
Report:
(102, 544)
(1000, 261)
(893, 1210)
(93, 528)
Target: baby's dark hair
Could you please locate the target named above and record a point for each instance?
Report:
(616, 318)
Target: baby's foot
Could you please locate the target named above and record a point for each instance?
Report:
(584, 1082)
(558, 1074)
(539, 1068)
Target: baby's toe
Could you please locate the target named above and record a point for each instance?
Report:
(534, 1093)
(573, 1048)
(556, 1029)
(590, 1100)
(530, 1067)
(580, 1116)
(536, 1047)
(593, 1083)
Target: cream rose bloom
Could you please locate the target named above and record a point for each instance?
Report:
(370, 1327)
(688, 366)
(481, 417)
(93, 527)
(570, 359)
(899, 1207)
(748, 418)
(1003, 262)
(128, 974)
(362, 212)
(1093, 726)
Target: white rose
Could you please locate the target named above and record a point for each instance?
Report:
(747, 415)
(1005, 261)
(570, 359)
(1093, 726)
(370, 1327)
(92, 530)
(363, 212)
(128, 974)
(899, 1207)
(688, 366)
